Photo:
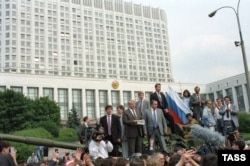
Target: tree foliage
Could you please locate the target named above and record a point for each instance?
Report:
(46, 110)
(73, 119)
(18, 112)
(244, 121)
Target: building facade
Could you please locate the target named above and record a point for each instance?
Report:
(85, 54)
(83, 44)
(85, 39)
(235, 87)
(89, 96)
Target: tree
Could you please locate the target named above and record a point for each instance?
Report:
(18, 112)
(47, 110)
(15, 111)
(73, 119)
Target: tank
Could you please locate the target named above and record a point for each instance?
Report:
(40, 141)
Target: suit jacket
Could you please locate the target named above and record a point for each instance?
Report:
(132, 130)
(164, 104)
(82, 131)
(115, 126)
(6, 160)
(123, 130)
(149, 122)
(145, 105)
(194, 104)
(234, 111)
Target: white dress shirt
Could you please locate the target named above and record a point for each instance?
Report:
(101, 150)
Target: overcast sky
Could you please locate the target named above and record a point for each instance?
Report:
(202, 48)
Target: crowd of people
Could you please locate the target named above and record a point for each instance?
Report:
(150, 119)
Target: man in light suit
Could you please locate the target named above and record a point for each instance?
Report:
(229, 113)
(142, 104)
(155, 125)
(134, 131)
(124, 142)
(163, 105)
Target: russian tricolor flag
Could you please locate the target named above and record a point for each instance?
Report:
(176, 107)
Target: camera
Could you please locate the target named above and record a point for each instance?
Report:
(230, 133)
(12, 149)
(98, 136)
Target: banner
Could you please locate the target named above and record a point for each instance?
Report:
(176, 107)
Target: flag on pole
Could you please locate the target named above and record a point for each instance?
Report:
(176, 107)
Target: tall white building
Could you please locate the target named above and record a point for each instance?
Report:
(68, 49)
(85, 39)
(85, 53)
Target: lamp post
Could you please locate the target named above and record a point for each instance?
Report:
(241, 43)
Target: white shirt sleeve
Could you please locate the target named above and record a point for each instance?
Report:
(109, 146)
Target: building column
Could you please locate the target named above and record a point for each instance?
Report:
(84, 112)
(235, 101)
(40, 91)
(97, 108)
(121, 97)
(244, 89)
(70, 105)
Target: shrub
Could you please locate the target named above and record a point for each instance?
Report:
(24, 150)
(244, 121)
(51, 127)
(67, 135)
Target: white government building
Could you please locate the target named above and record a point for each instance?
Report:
(89, 53)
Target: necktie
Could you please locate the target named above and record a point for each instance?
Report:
(160, 99)
(198, 98)
(140, 107)
(134, 114)
(155, 124)
(109, 125)
(159, 96)
(227, 112)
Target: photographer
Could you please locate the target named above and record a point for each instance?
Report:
(7, 157)
(99, 147)
(232, 137)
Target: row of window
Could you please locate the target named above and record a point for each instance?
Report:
(77, 99)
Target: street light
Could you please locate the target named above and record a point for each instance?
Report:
(239, 43)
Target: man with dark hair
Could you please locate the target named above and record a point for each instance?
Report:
(124, 141)
(238, 145)
(98, 147)
(187, 127)
(229, 113)
(112, 129)
(163, 105)
(83, 130)
(7, 158)
(142, 104)
(155, 125)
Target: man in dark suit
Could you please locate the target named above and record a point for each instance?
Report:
(82, 131)
(134, 131)
(163, 105)
(112, 129)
